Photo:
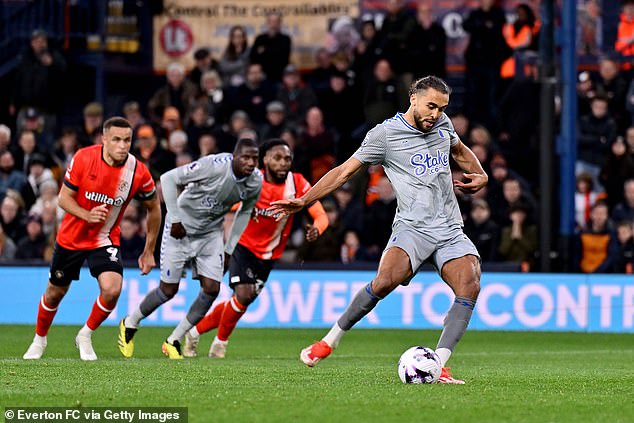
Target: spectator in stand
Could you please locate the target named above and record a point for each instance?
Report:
(48, 195)
(428, 40)
(342, 36)
(328, 246)
(230, 133)
(10, 177)
(625, 209)
(93, 119)
(379, 216)
(27, 147)
(66, 148)
(149, 151)
(34, 122)
(5, 138)
(235, 58)
(485, 52)
(203, 62)
(585, 198)
(276, 121)
(132, 243)
(624, 43)
(629, 102)
(342, 111)
(518, 241)
(199, 123)
(12, 215)
(295, 95)
(349, 208)
(177, 142)
(624, 262)
(395, 34)
(513, 192)
(585, 93)
(272, 49)
(597, 132)
(32, 245)
(461, 124)
(132, 113)
(368, 50)
(483, 231)
(384, 96)
(39, 81)
(291, 137)
(7, 247)
(352, 250)
(207, 144)
(317, 154)
(178, 92)
(629, 139)
(171, 122)
(319, 77)
(613, 86)
(253, 96)
(38, 174)
(597, 246)
(215, 97)
(618, 168)
(520, 36)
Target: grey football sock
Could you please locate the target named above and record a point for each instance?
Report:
(151, 302)
(456, 322)
(362, 303)
(197, 311)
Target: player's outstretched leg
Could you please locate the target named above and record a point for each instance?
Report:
(463, 276)
(362, 303)
(129, 324)
(101, 309)
(209, 322)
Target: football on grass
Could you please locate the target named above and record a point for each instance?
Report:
(419, 365)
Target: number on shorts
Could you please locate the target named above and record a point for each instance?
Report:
(113, 253)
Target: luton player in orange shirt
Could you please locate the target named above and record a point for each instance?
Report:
(261, 244)
(100, 182)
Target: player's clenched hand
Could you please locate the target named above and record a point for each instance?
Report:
(178, 230)
(98, 214)
(146, 262)
(477, 182)
(286, 207)
(312, 233)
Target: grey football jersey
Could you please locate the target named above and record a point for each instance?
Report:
(417, 164)
(210, 189)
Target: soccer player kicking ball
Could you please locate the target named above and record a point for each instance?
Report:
(414, 149)
(100, 182)
(197, 196)
(261, 244)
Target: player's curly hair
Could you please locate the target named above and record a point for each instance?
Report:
(430, 81)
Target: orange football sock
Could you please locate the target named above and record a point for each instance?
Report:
(100, 312)
(211, 320)
(232, 313)
(45, 315)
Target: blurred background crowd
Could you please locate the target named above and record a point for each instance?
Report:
(360, 78)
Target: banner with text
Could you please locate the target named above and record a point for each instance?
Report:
(304, 298)
(187, 25)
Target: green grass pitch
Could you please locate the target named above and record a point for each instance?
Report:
(511, 377)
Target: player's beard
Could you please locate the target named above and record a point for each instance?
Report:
(418, 120)
(278, 177)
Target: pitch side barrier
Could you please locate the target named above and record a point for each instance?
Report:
(296, 298)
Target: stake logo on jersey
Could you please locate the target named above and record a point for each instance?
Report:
(95, 183)
(429, 164)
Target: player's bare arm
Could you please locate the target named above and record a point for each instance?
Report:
(146, 259)
(67, 202)
(171, 190)
(471, 167)
(327, 184)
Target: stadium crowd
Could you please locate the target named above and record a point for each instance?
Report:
(361, 78)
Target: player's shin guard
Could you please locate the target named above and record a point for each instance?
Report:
(197, 311)
(100, 312)
(232, 313)
(45, 315)
(455, 324)
(211, 320)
